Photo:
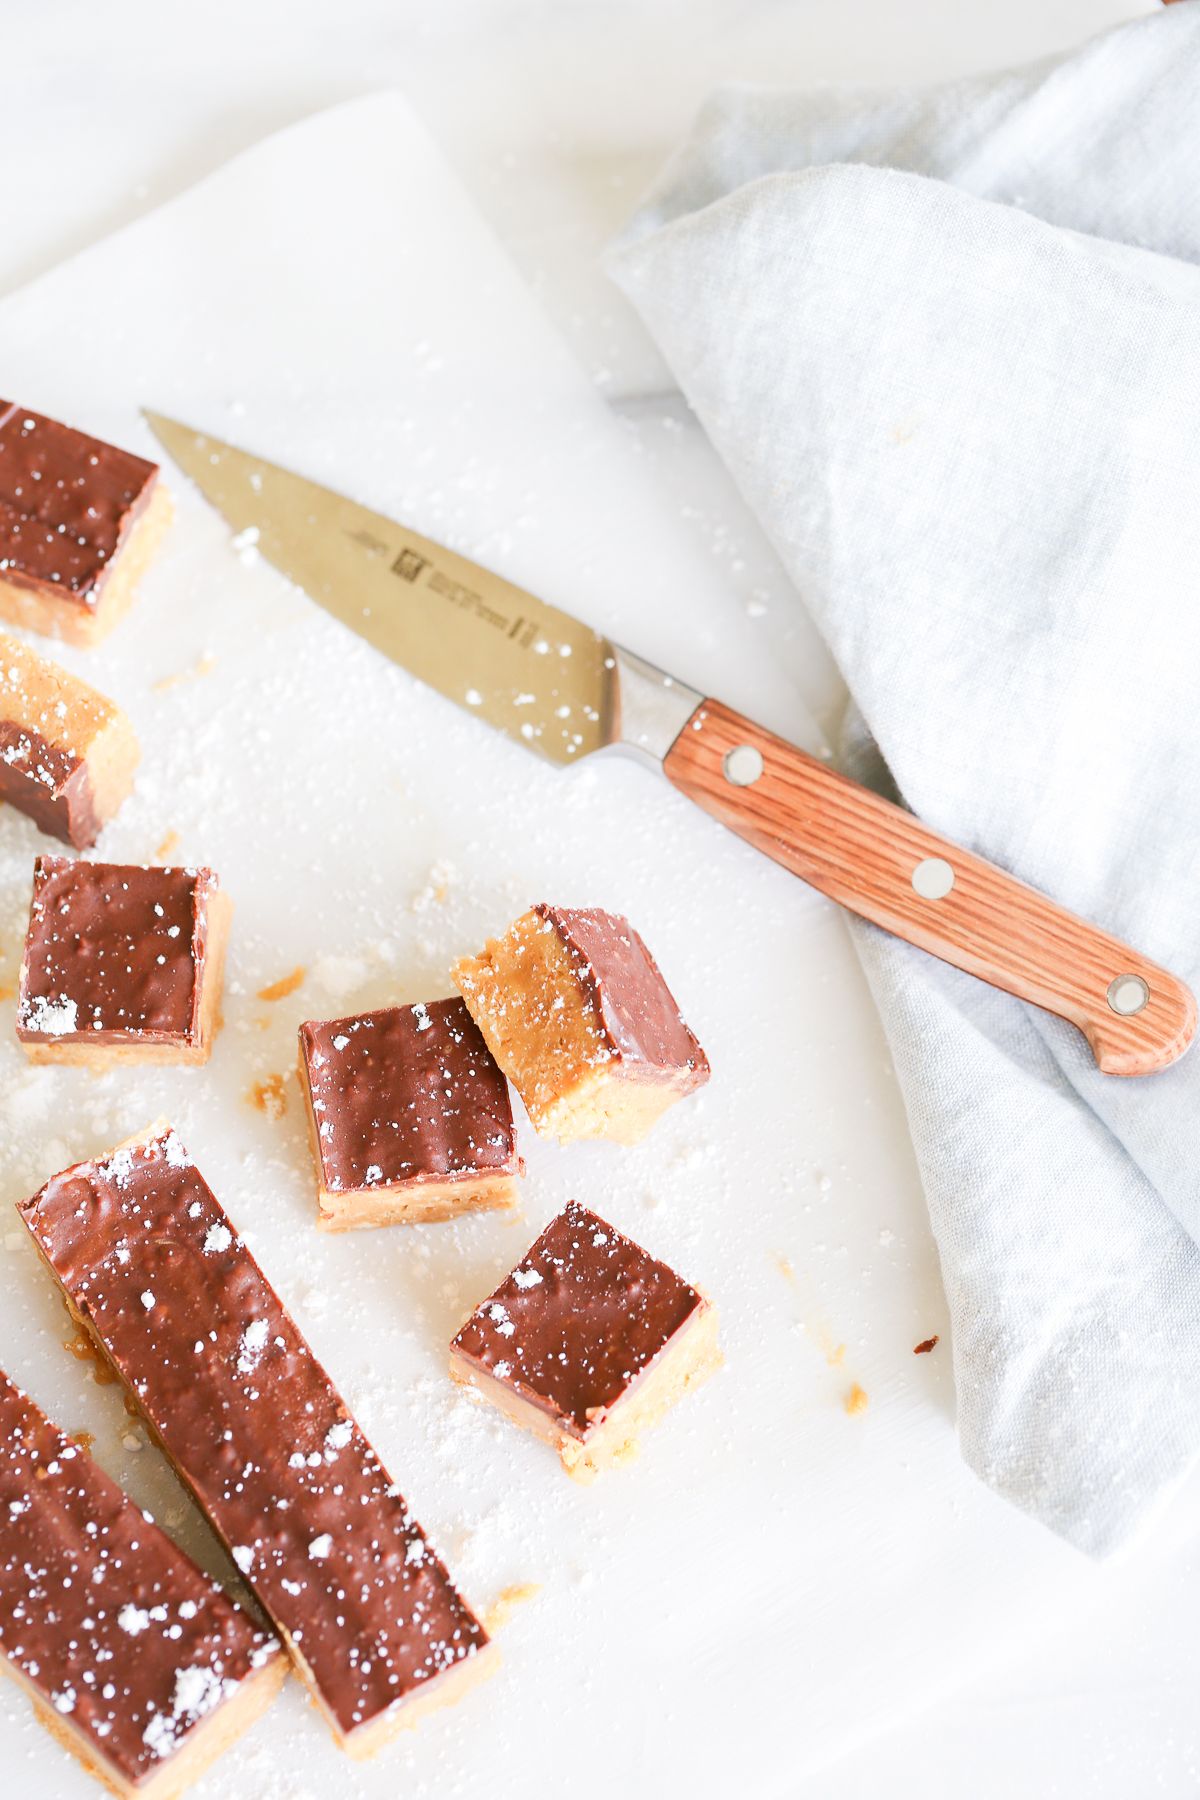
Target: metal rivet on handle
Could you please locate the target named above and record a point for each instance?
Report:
(1127, 994)
(743, 765)
(933, 878)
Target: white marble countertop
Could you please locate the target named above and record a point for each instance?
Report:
(556, 113)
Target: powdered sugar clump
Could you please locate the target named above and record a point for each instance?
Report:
(253, 1343)
(52, 1018)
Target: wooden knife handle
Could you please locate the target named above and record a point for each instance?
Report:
(882, 863)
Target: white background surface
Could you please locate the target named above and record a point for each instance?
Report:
(555, 116)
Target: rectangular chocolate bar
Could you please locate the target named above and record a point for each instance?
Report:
(149, 1262)
(573, 1008)
(133, 1658)
(67, 754)
(409, 1116)
(79, 523)
(588, 1342)
(122, 963)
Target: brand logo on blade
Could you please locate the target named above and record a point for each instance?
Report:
(408, 565)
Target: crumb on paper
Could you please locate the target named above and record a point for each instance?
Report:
(287, 984)
(269, 1095)
(784, 1265)
(168, 847)
(437, 886)
(205, 666)
(507, 1601)
(926, 1345)
(85, 1439)
(856, 1400)
(833, 1351)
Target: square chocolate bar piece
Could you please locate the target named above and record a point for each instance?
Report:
(79, 523)
(588, 1342)
(133, 1658)
(122, 963)
(574, 1010)
(409, 1115)
(67, 754)
(153, 1267)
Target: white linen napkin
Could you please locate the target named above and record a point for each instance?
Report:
(974, 436)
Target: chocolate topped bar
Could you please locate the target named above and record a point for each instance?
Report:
(67, 754)
(410, 1113)
(589, 1340)
(129, 1648)
(120, 956)
(150, 1262)
(574, 1009)
(70, 507)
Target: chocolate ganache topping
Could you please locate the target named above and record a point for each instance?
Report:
(639, 1014)
(48, 783)
(405, 1093)
(114, 949)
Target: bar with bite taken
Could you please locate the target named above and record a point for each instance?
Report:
(573, 1008)
(409, 1117)
(134, 1659)
(123, 963)
(150, 1264)
(80, 521)
(67, 755)
(588, 1343)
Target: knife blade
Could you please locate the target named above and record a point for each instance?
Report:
(523, 666)
(564, 691)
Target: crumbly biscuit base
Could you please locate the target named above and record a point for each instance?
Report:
(446, 1689)
(420, 1202)
(611, 1102)
(54, 614)
(692, 1355)
(89, 1054)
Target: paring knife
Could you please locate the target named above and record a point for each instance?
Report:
(563, 691)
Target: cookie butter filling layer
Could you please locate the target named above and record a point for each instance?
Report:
(588, 1342)
(575, 1011)
(122, 962)
(410, 1116)
(154, 1268)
